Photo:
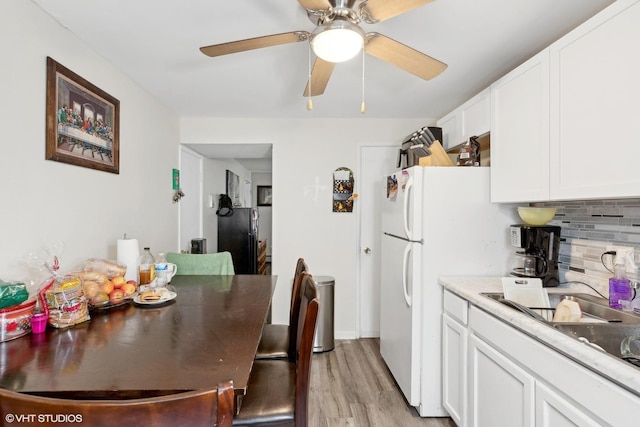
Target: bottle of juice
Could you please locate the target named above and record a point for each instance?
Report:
(146, 267)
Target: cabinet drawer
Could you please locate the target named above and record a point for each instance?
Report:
(456, 307)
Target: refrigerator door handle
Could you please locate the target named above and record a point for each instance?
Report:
(405, 263)
(405, 210)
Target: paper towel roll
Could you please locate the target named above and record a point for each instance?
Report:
(128, 254)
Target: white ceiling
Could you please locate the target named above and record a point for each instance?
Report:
(156, 43)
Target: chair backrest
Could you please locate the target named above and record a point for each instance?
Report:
(294, 308)
(190, 264)
(309, 304)
(193, 408)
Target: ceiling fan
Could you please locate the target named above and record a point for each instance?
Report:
(338, 37)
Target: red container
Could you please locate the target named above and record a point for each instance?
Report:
(15, 321)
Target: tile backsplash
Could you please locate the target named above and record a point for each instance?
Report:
(588, 227)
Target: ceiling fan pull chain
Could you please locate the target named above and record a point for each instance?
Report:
(309, 101)
(363, 107)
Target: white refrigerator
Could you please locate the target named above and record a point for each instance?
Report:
(436, 221)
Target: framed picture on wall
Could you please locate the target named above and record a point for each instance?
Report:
(82, 121)
(233, 187)
(264, 195)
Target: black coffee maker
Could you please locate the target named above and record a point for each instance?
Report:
(538, 258)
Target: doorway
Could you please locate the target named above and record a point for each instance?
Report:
(251, 162)
(375, 164)
(190, 214)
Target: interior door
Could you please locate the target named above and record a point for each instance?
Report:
(375, 163)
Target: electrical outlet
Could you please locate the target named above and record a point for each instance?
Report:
(626, 252)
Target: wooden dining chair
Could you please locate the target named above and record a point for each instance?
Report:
(276, 341)
(219, 264)
(278, 390)
(198, 408)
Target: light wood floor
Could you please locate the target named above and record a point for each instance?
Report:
(351, 386)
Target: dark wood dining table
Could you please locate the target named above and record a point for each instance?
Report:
(208, 334)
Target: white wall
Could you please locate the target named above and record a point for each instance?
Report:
(303, 222)
(45, 202)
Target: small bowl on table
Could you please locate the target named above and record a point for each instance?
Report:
(536, 215)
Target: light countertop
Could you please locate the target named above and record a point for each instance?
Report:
(617, 370)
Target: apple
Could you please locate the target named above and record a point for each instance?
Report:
(118, 281)
(128, 289)
(116, 295)
(133, 282)
(107, 287)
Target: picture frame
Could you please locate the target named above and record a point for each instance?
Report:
(82, 121)
(233, 187)
(264, 195)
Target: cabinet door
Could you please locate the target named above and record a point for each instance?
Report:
(595, 114)
(475, 115)
(553, 410)
(520, 133)
(501, 394)
(454, 369)
(450, 125)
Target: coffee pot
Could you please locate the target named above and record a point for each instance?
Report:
(537, 256)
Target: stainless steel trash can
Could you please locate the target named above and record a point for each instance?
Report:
(323, 339)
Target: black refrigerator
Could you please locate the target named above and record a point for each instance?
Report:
(238, 234)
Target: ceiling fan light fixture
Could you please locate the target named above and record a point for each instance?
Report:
(337, 41)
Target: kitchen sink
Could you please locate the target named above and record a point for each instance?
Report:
(601, 326)
(594, 309)
(603, 336)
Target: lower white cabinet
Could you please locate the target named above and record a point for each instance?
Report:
(502, 392)
(554, 410)
(516, 378)
(454, 357)
(454, 368)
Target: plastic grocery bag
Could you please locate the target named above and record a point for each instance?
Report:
(12, 293)
(64, 301)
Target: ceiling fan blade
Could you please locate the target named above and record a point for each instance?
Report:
(380, 10)
(402, 56)
(319, 77)
(255, 43)
(315, 4)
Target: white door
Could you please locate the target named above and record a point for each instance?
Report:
(191, 226)
(375, 164)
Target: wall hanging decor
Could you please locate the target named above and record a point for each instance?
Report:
(264, 195)
(82, 121)
(343, 196)
(233, 188)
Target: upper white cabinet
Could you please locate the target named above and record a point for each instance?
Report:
(565, 124)
(595, 113)
(520, 133)
(475, 115)
(473, 118)
(450, 125)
